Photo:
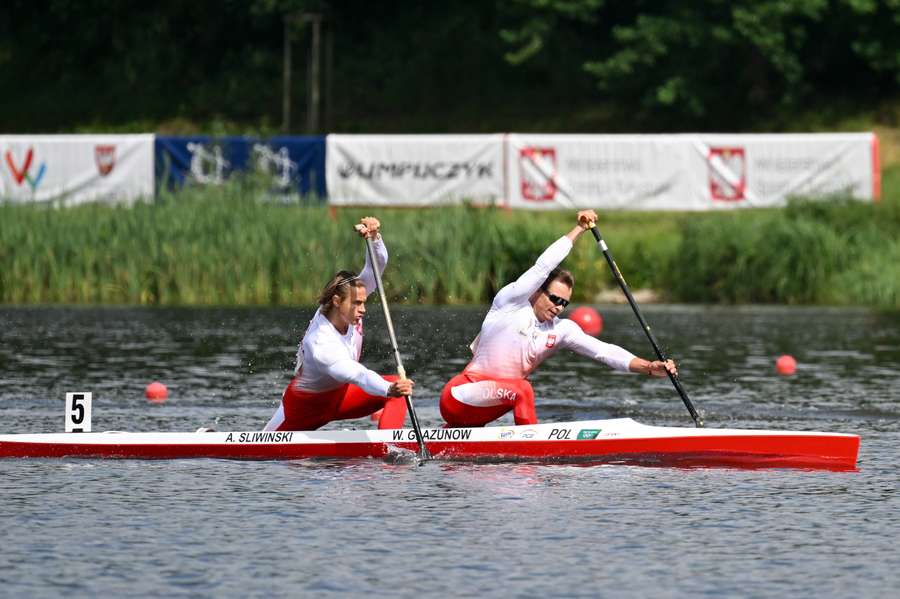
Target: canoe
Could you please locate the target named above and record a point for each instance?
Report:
(620, 440)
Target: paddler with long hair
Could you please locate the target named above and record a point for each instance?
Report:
(329, 383)
(521, 330)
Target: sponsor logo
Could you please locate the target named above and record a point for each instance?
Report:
(417, 170)
(276, 164)
(551, 341)
(507, 434)
(23, 173)
(105, 159)
(537, 173)
(207, 166)
(528, 433)
(727, 174)
(588, 433)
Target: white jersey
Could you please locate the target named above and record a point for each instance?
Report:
(512, 342)
(327, 359)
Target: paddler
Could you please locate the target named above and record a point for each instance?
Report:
(329, 383)
(521, 330)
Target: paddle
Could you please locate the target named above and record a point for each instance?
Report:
(423, 450)
(659, 354)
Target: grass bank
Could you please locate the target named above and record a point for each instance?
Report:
(217, 247)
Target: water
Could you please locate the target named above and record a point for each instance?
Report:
(258, 529)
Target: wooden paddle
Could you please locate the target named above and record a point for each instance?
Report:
(424, 454)
(659, 354)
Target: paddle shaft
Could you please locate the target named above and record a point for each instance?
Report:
(424, 454)
(637, 312)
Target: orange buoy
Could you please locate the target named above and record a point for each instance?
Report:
(156, 392)
(786, 365)
(588, 319)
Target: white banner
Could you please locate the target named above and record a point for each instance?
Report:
(630, 172)
(728, 171)
(414, 170)
(73, 169)
(688, 171)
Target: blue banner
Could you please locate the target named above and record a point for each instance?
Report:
(293, 164)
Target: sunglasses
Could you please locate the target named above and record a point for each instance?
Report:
(559, 301)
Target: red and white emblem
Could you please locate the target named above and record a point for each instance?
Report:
(551, 341)
(537, 173)
(105, 158)
(727, 174)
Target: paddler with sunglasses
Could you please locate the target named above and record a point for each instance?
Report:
(329, 382)
(521, 330)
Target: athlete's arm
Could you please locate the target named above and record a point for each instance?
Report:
(617, 358)
(347, 370)
(370, 227)
(521, 289)
(656, 368)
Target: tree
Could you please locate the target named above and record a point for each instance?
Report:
(719, 63)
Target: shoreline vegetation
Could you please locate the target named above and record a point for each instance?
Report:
(230, 246)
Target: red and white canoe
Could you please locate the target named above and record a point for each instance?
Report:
(594, 441)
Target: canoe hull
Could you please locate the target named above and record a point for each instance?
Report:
(600, 441)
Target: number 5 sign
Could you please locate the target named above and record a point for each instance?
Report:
(78, 412)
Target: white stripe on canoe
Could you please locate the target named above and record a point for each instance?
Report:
(619, 428)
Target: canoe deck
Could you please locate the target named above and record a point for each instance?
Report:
(620, 440)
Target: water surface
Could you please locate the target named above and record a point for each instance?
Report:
(255, 529)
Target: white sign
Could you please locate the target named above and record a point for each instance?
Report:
(725, 171)
(594, 171)
(78, 412)
(73, 169)
(414, 170)
(687, 172)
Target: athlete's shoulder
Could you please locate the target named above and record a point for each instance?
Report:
(566, 326)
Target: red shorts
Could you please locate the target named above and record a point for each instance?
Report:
(472, 399)
(306, 411)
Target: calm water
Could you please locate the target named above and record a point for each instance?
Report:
(247, 529)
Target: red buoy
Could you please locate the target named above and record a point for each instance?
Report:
(588, 319)
(786, 365)
(156, 391)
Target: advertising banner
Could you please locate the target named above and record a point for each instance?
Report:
(752, 171)
(73, 169)
(414, 170)
(292, 164)
(687, 171)
(631, 172)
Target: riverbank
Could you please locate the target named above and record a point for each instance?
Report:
(219, 247)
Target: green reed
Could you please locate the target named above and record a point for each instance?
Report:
(231, 245)
(838, 252)
(221, 246)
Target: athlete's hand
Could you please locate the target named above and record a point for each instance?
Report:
(661, 369)
(586, 219)
(368, 227)
(401, 388)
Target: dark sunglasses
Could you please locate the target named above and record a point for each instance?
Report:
(559, 301)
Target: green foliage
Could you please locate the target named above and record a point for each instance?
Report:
(709, 65)
(812, 252)
(213, 66)
(220, 246)
(230, 245)
(747, 258)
